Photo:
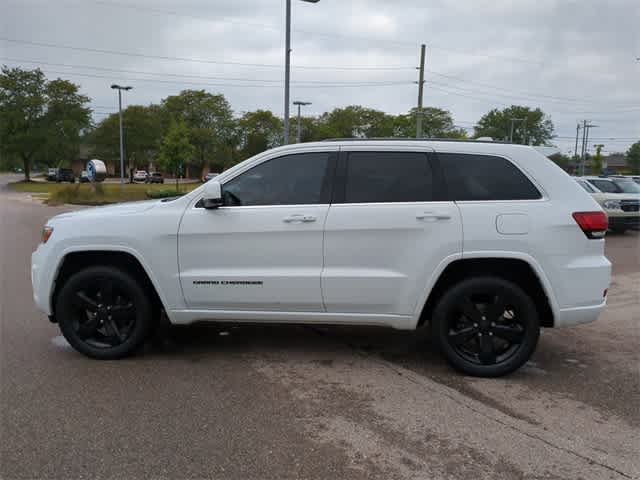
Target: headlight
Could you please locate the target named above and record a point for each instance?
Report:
(46, 233)
(611, 204)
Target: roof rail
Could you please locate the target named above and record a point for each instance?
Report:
(405, 139)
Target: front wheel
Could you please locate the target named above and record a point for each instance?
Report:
(486, 326)
(103, 312)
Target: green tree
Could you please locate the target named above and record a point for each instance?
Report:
(596, 161)
(38, 117)
(436, 123)
(259, 131)
(143, 129)
(530, 125)
(209, 121)
(66, 117)
(355, 121)
(561, 160)
(176, 149)
(633, 158)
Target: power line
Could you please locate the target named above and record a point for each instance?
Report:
(172, 82)
(507, 95)
(157, 11)
(196, 60)
(520, 92)
(492, 100)
(405, 44)
(165, 74)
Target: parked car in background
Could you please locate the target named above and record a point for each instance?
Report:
(84, 177)
(65, 175)
(209, 176)
(615, 185)
(52, 174)
(485, 242)
(140, 176)
(623, 209)
(155, 177)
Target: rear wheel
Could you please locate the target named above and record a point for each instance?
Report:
(486, 326)
(103, 312)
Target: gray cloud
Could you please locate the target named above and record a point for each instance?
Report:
(573, 59)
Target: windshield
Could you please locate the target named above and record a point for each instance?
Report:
(586, 186)
(627, 186)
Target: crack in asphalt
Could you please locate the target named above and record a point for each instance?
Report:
(419, 381)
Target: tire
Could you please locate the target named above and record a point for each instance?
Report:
(86, 304)
(486, 326)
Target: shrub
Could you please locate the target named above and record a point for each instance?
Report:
(165, 193)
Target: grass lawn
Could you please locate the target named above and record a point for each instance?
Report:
(82, 193)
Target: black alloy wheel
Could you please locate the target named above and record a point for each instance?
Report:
(103, 312)
(486, 326)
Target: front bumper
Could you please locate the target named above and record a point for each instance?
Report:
(39, 284)
(624, 221)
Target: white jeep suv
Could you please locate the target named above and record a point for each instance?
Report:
(485, 242)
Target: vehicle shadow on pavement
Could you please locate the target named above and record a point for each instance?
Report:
(565, 363)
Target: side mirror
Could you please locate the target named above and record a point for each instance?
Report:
(212, 197)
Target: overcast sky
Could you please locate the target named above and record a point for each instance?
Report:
(574, 59)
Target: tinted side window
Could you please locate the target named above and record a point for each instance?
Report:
(485, 177)
(605, 186)
(388, 177)
(290, 180)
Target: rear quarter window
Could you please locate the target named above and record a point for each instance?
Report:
(485, 177)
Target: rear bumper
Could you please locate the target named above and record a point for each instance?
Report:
(569, 317)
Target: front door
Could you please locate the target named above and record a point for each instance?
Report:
(262, 250)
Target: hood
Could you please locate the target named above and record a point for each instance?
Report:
(119, 209)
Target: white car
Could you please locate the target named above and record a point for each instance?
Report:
(140, 176)
(485, 242)
(623, 209)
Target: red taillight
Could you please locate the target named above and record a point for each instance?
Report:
(593, 224)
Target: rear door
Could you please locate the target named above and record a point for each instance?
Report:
(387, 230)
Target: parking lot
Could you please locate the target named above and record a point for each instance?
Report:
(220, 401)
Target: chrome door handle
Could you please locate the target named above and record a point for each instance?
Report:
(299, 218)
(432, 216)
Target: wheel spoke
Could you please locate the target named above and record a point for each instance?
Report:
(487, 350)
(512, 334)
(122, 308)
(470, 310)
(496, 310)
(114, 326)
(462, 336)
(84, 302)
(106, 291)
(88, 328)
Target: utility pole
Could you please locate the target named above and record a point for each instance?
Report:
(586, 126)
(300, 104)
(287, 71)
(575, 154)
(423, 52)
(524, 131)
(120, 88)
(287, 66)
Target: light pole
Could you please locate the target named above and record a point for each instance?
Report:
(299, 104)
(120, 88)
(287, 67)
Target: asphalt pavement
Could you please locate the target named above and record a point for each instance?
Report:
(257, 402)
